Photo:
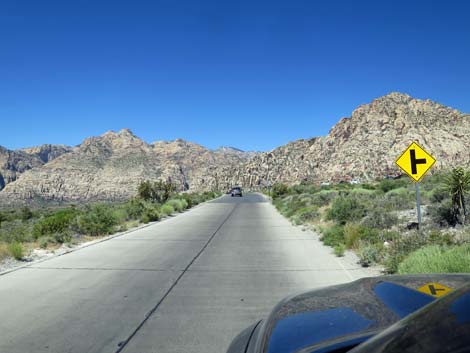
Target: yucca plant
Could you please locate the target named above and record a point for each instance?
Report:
(457, 183)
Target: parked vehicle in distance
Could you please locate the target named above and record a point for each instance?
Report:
(236, 191)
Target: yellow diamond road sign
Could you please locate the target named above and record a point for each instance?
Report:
(415, 161)
(435, 289)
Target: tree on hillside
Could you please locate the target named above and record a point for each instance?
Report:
(457, 183)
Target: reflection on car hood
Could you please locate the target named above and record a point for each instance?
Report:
(343, 315)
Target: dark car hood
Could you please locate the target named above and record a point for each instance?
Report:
(341, 316)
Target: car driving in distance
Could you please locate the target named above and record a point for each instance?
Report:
(236, 191)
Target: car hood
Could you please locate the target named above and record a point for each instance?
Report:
(341, 316)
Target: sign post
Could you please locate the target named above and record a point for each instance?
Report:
(416, 162)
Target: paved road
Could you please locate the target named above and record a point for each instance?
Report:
(186, 284)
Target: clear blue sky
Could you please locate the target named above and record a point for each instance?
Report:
(250, 74)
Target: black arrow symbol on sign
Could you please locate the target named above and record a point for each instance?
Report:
(415, 162)
(434, 290)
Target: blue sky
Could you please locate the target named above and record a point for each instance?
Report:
(250, 74)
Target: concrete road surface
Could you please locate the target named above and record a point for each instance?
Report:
(187, 284)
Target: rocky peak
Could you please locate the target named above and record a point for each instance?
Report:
(48, 152)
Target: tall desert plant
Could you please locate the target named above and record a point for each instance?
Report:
(457, 183)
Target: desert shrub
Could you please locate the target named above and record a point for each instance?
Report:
(3, 218)
(437, 259)
(389, 184)
(354, 234)
(135, 208)
(191, 199)
(120, 213)
(439, 195)
(290, 205)
(58, 222)
(279, 190)
(345, 209)
(400, 248)
(45, 241)
(323, 197)
(378, 217)
(15, 231)
(176, 204)
(96, 220)
(370, 254)
(399, 199)
(184, 203)
(333, 236)
(61, 237)
(368, 187)
(167, 210)
(4, 253)
(158, 191)
(16, 250)
(308, 214)
(442, 215)
(339, 250)
(151, 214)
(26, 213)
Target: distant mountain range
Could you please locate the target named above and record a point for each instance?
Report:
(363, 146)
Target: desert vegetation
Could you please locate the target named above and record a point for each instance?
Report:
(378, 220)
(23, 229)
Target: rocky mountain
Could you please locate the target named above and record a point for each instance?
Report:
(365, 145)
(111, 166)
(47, 152)
(14, 163)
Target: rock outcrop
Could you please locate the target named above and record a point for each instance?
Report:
(365, 145)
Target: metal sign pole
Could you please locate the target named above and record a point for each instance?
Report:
(418, 204)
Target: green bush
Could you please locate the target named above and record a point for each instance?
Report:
(167, 210)
(346, 209)
(158, 191)
(389, 184)
(191, 199)
(96, 220)
(442, 215)
(308, 214)
(26, 213)
(399, 199)
(16, 231)
(333, 236)
(437, 259)
(279, 190)
(45, 241)
(184, 203)
(176, 204)
(339, 250)
(370, 254)
(58, 222)
(150, 215)
(379, 217)
(16, 250)
(401, 247)
(354, 234)
(135, 208)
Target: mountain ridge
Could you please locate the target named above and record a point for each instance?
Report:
(363, 146)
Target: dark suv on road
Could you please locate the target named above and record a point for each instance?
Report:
(236, 191)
